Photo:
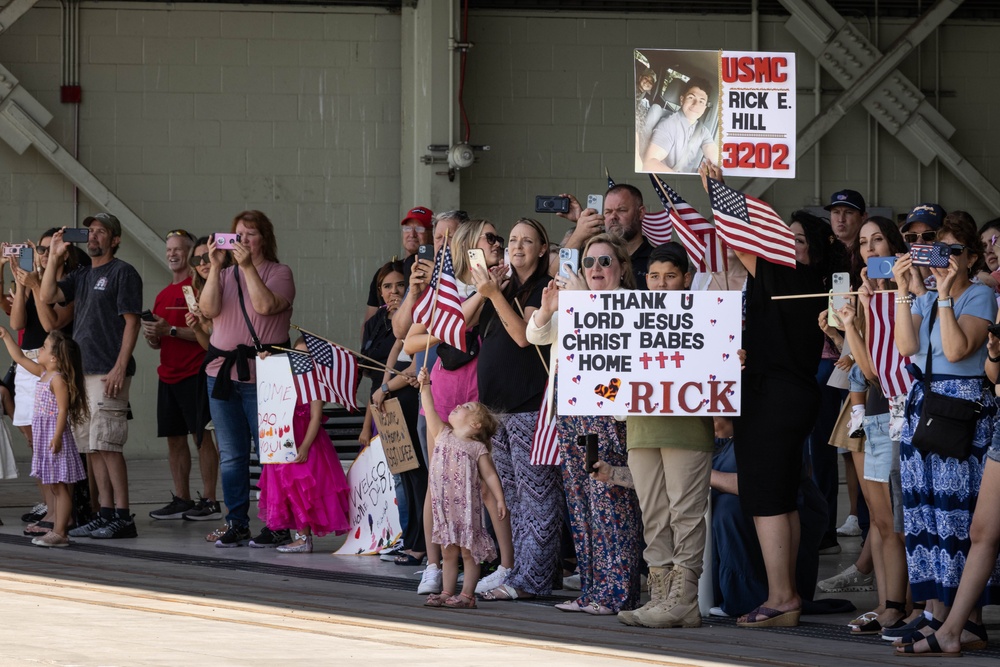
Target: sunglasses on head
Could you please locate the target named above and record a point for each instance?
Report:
(198, 260)
(926, 237)
(181, 232)
(493, 239)
(603, 260)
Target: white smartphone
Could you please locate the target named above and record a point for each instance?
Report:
(840, 282)
(189, 297)
(596, 202)
(477, 258)
(569, 260)
(506, 262)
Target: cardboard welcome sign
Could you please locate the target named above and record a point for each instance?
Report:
(395, 436)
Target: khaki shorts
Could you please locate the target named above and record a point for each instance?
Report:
(107, 428)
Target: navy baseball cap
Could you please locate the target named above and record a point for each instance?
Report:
(850, 198)
(931, 215)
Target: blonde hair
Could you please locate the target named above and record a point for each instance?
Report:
(620, 252)
(466, 237)
(488, 424)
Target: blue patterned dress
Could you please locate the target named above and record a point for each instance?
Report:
(605, 518)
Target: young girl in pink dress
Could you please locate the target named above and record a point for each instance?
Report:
(311, 494)
(60, 402)
(460, 463)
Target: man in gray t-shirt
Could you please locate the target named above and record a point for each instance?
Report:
(108, 299)
(680, 141)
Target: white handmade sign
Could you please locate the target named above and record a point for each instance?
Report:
(649, 353)
(374, 514)
(276, 398)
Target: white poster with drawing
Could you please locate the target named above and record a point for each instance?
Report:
(374, 513)
(276, 398)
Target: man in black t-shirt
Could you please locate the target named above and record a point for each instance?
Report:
(108, 299)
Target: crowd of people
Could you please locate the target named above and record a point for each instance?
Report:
(928, 504)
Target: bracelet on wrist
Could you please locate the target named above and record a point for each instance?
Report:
(995, 360)
(905, 299)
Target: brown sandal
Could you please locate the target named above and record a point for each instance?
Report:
(461, 601)
(437, 599)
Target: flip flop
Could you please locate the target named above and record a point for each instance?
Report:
(935, 652)
(503, 593)
(765, 617)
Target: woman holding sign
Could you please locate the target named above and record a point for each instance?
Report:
(604, 517)
(511, 377)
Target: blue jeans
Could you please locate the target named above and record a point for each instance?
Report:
(235, 422)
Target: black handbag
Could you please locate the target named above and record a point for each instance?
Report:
(453, 358)
(947, 425)
(8, 379)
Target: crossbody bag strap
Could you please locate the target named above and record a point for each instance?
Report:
(239, 291)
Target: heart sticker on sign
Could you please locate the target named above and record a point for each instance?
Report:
(576, 379)
(572, 401)
(609, 391)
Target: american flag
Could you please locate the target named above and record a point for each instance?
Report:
(749, 225)
(337, 369)
(890, 366)
(697, 234)
(444, 319)
(545, 443)
(307, 383)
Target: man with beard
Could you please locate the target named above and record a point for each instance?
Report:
(108, 298)
(622, 216)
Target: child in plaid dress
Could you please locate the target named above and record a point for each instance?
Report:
(60, 401)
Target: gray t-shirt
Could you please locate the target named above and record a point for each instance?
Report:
(102, 295)
(682, 141)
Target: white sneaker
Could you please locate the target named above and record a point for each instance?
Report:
(430, 580)
(855, 427)
(491, 581)
(572, 583)
(849, 581)
(850, 527)
(717, 612)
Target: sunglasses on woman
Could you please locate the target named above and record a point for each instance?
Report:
(493, 239)
(914, 237)
(603, 260)
(956, 249)
(198, 260)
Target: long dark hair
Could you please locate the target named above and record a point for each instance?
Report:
(515, 288)
(70, 364)
(827, 254)
(893, 237)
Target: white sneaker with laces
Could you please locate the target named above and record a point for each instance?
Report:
(430, 580)
(492, 580)
(850, 580)
(850, 527)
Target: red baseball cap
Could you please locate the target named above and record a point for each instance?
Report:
(421, 214)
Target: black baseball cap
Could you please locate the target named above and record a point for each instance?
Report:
(850, 198)
(931, 215)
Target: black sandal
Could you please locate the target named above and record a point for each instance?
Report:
(935, 652)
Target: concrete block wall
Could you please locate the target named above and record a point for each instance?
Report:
(191, 114)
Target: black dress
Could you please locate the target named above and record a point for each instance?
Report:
(780, 395)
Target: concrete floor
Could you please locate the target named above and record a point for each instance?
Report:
(170, 598)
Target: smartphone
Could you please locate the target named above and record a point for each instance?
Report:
(994, 329)
(27, 259)
(477, 258)
(935, 255)
(426, 252)
(147, 316)
(551, 204)
(841, 282)
(592, 456)
(880, 267)
(596, 202)
(569, 260)
(506, 262)
(189, 297)
(76, 234)
(832, 319)
(226, 241)
(14, 249)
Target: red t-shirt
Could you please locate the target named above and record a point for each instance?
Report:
(179, 359)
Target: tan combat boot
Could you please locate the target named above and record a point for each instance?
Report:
(679, 608)
(658, 582)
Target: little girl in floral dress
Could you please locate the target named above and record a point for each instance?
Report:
(460, 463)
